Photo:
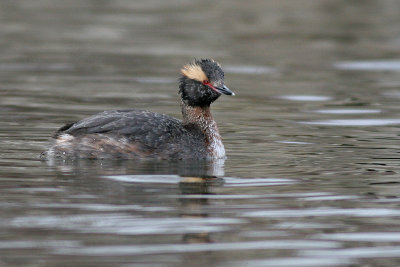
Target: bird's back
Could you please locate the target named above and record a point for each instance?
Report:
(129, 134)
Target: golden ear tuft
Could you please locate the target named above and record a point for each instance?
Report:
(194, 71)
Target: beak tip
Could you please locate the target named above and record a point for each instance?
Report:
(226, 91)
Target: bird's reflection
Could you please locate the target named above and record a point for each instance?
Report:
(193, 206)
(194, 182)
(195, 168)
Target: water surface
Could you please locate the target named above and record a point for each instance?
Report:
(312, 135)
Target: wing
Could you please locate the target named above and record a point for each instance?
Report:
(151, 129)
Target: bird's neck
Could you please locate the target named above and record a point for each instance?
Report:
(203, 119)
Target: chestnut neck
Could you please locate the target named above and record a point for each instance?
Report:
(202, 118)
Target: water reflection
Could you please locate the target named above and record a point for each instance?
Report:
(35, 67)
(196, 208)
(191, 178)
(363, 237)
(198, 168)
(354, 122)
(366, 212)
(363, 252)
(184, 248)
(348, 111)
(305, 97)
(289, 194)
(295, 262)
(250, 70)
(377, 65)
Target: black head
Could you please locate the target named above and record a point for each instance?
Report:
(202, 82)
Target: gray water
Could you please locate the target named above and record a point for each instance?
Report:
(312, 136)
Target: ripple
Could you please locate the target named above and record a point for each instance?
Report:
(35, 67)
(305, 97)
(260, 234)
(201, 196)
(295, 261)
(362, 237)
(124, 224)
(354, 122)
(347, 111)
(363, 252)
(301, 196)
(155, 80)
(243, 69)
(372, 65)
(249, 182)
(294, 142)
(36, 190)
(158, 179)
(13, 244)
(169, 226)
(175, 179)
(185, 248)
(114, 78)
(101, 207)
(323, 212)
(304, 225)
(392, 94)
(329, 198)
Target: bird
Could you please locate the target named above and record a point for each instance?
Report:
(138, 134)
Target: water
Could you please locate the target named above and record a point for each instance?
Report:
(312, 135)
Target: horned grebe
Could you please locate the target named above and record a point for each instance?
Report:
(143, 134)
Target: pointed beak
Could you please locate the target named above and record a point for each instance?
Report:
(225, 90)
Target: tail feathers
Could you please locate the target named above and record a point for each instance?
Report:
(62, 129)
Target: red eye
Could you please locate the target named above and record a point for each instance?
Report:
(207, 82)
